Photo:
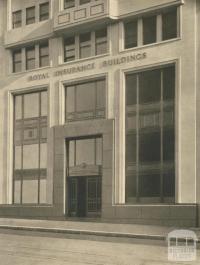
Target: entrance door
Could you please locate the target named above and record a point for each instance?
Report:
(84, 196)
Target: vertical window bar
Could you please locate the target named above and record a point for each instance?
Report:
(161, 139)
(137, 140)
(22, 144)
(39, 149)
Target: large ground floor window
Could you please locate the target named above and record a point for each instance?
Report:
(150, 136)
(30, 148)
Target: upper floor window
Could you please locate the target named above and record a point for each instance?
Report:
(85, 45)
(85, 100)
(154, 28)
(35, 56)
(44, 11)
(30, 58)
(69, 3)
(30, 15)
(17, 19)
(17, 61)
(73, 3)
(44, 54)
(169, 25)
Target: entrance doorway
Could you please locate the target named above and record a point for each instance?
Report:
(84, 177)
(84, 196)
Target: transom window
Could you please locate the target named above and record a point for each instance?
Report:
(30, 148)
(85, 45)
(150, 136)
(85, 100)
(154, 28)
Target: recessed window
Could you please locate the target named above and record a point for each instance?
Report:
(30, 148)
(85, 100)
(101, 41)
(82, 2)
(30, 15)
(69, 4)
(85, 45)
(131, 34)
(44, 11)
(17, 61)
(149, 30)
(44, 54)
(17, 19)
(69, 46)
(30, 58)
(153, 28)
(150, 135)
(169, 25)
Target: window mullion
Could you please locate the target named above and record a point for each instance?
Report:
(22, 150)
(159, 28)
(137, 141)
(161, 139)
(93, 44)
(77, 47)
(140, 32)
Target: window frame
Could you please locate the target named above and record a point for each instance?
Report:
(14, 62)
(44, 16)
(164, 199)
(42, 120)
(16, 22)
(42, 45)
(27, 49)
(31, 18)
(95, 110)
(159, 27)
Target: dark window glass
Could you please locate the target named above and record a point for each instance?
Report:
(17, 61)
(149, 185)
(30, 148)
(85, 45)
(101, 41)
(44, 11)
(150, 135)
(150, 86)
(30, 58)
(69, 4)
(44, 54)
(131, 89)
(17, 19)
(131, 148)
(169, 25)
(84, 2)
(69, 49)
(30, 15)
(131, 34)
(169, 184)
(149, 147)
(168, 83)
(85, 101)
(149, 30)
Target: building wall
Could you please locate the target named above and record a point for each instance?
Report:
(183, 51)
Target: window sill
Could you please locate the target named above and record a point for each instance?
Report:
(84, 59)
(30, 71)
(150, 45)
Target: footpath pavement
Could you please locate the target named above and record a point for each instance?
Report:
(92, 228)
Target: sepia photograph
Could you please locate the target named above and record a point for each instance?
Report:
(99, 132)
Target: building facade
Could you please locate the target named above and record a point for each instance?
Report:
(99, 110)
